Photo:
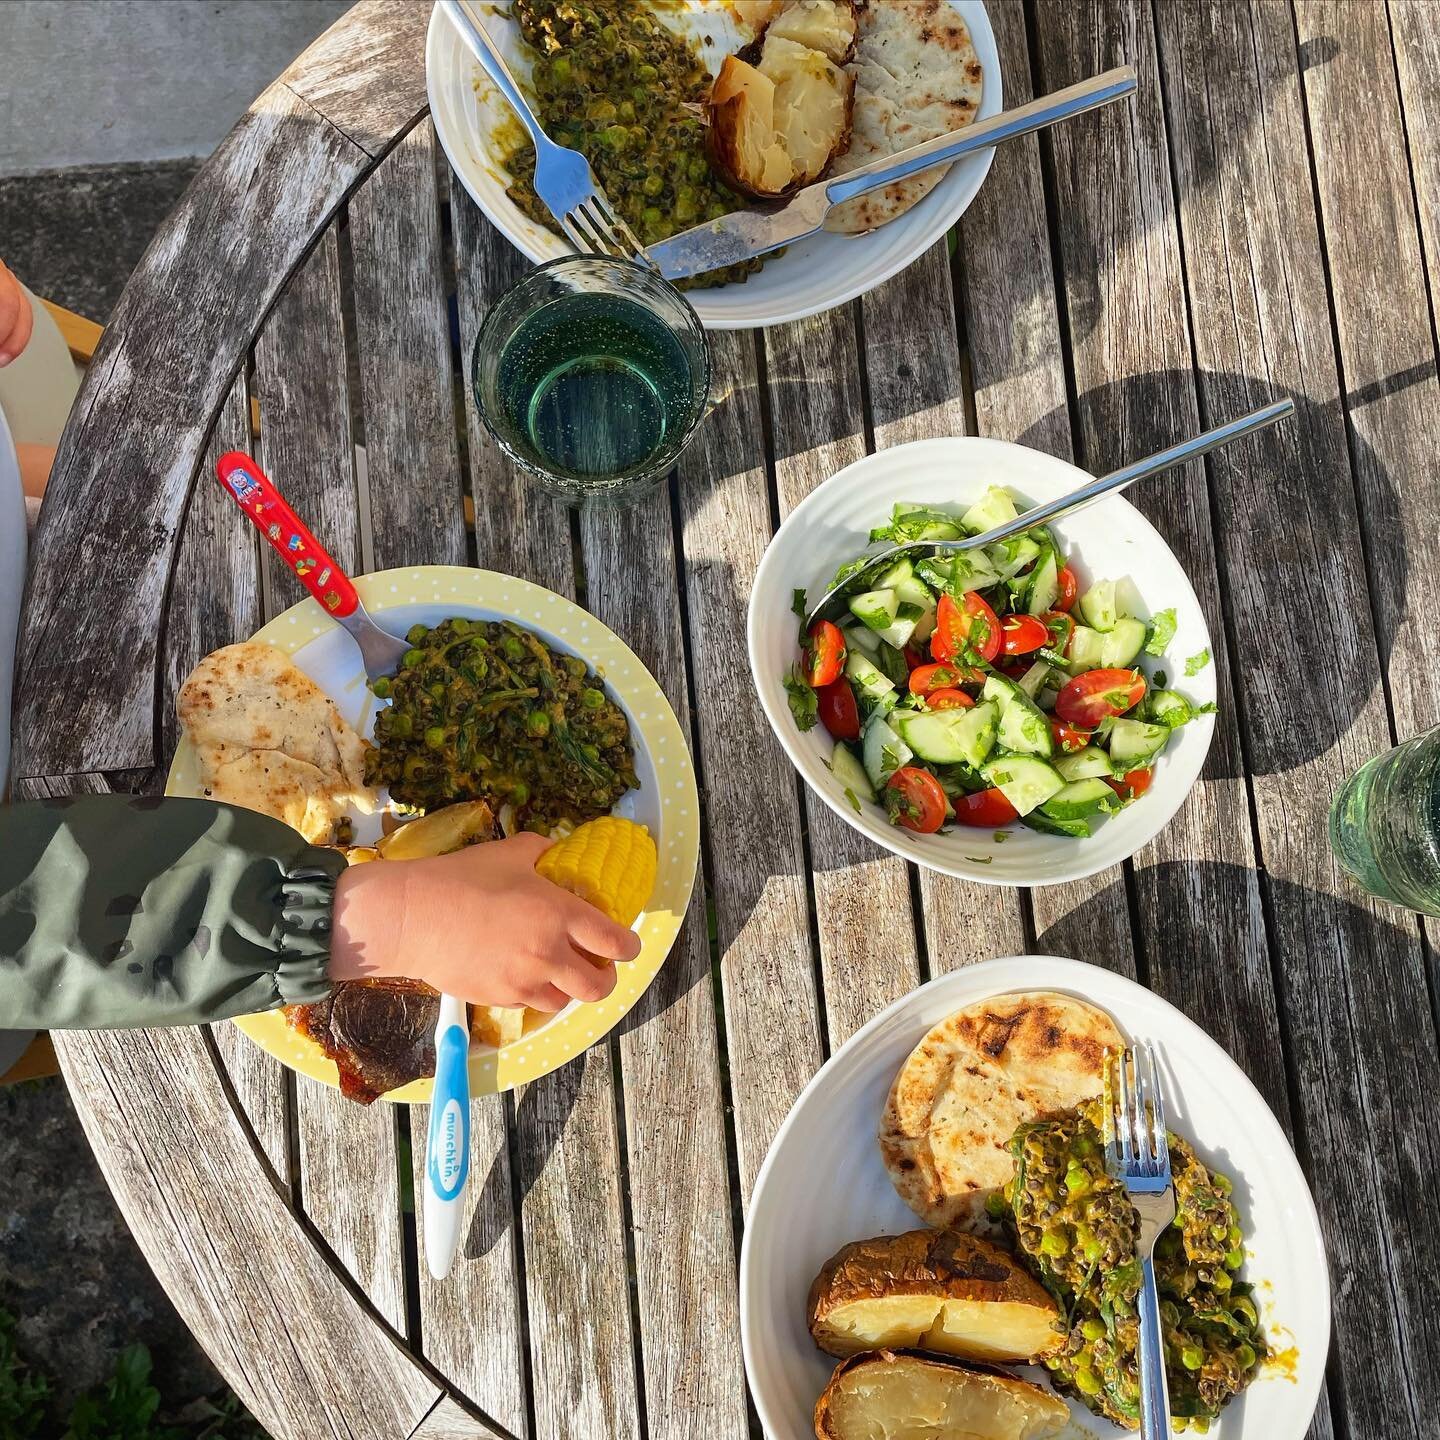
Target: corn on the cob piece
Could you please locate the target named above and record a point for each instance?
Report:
(610, 862)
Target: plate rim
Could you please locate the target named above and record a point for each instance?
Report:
(927, 234)
(890, 837)
(492, 1071)
(999, 968)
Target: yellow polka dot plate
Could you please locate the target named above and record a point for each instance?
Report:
(666, 801)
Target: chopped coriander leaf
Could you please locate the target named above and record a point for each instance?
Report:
(797, 604)
(1196, 663)
(1162, 632)
(981, 859)
(1208, 708)
(1160, 680)
(854, 800)
(1001, 836)
(849, 570)
(804, 705)
(1051, 657)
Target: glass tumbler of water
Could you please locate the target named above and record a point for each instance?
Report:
(1385, 824)
(592, 374)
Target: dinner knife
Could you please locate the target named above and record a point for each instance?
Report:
(744, 234)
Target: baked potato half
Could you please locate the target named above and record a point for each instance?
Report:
(779, 116)
(885, 1396)
(936, 1290)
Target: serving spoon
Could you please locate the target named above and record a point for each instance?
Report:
(447, 1158)
(832, 602)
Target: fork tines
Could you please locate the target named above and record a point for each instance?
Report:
(1135, 1143)
(595, 227)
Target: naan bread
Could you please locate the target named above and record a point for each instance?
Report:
(268, 738)
(916, 77)
(972, 1081)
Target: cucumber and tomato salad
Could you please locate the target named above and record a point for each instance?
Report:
(981, 687)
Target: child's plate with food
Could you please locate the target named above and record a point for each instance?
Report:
(933, 1247)
(514, 709)
(807, 89)
(1023, 714)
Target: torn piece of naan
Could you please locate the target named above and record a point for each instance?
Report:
(269, 739)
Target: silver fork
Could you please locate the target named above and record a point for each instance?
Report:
(563, 178)
(1138, 1155)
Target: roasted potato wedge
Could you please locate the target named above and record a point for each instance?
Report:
(936, 1290)
(885, 1396)
(776, 124)
(439, 832)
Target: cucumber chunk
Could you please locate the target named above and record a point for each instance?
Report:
(909, 590)
(1091, 763)
(1010, 557)
(1044, 588)
(1026, 782)
(1039, 820)
(993, 508)
(846, 767)
(1086, 649)
(875, 608)
(902, 627)
(999, 688)
(1025, 728)
(1097, 605)
(949, 737)
(1134, 744)
(1033, 681)
(1168, 707)
(860, 637)
(1080, 799)
(884, 751)
(870, 684)
(1123, 643)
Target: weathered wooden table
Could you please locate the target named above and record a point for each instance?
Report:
(1258, 225)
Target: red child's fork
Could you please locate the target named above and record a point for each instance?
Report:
(308, 560)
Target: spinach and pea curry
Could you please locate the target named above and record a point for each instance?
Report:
(1076, 1229)
(615, 83)
(485, 710)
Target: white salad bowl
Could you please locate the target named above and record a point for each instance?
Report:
(1109, 541)
(476, 130)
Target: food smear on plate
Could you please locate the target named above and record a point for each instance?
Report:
(267, 738)
(1077, 1230)
(610, 79)
(486, 710)
(886, 1396)
(916, 77)
(980, 687)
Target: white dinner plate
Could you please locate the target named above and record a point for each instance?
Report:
(475, 127)
(823, 1185)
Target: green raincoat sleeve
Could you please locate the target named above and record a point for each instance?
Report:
(119, 910)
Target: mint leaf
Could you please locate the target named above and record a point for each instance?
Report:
(1162, 632)
(1196, 663)
(803, 703)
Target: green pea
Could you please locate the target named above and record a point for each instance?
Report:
(513, 648)
(1077, 1180)
(617, 137)
(1245, 1356)
(685, 211)
(646, 73)
(560, 69)
(627, 110)
(415, 634)
(412, 659)
(995, 1206)
(437, 690)
(519, 792)
(537, 722)
(1221, 1281)
(1093, 1329)
(652, 216)
(1234, 1259)
(459, 626)
(1087, 1382)
(1221, 1183)
(601, 111)
(1056, 1242)
(414, 767)
(1192, 1357)
(592, 699)
(380, 688)
(435, 737)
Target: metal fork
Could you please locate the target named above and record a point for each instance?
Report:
(1138, 1155)
(563, 178)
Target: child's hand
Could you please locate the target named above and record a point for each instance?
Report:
(479, 924)
(15, 319)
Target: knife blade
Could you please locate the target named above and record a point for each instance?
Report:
(746, 234)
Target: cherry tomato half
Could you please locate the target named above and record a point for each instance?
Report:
(1022, 634)
(839, 713)
(925, 678)
(1060, 627)
(915, 800)
(1013, 669)
(824, 654)
(986, 810)
(1134, 785)
(1089, 698)
(948, 700)
(1069, 587)
(972, 624)
(1068, 738)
